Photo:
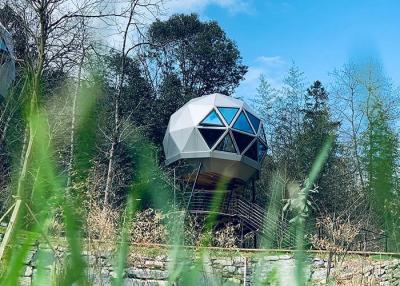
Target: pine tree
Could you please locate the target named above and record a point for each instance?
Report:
(381, 158)
(317, 127)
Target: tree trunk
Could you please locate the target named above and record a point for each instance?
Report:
(73, 121)
(115, 136)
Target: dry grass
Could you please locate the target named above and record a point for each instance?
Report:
(148, 227)
(102, 222)
(227, 236)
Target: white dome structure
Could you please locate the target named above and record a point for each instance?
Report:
(219, 133)
(7, 61)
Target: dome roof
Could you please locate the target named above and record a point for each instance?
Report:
(221, 132)
(7, 61)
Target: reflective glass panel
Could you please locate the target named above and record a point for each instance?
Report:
(252, 152)
(262, 150)
(242, 140)
(243, 124)
(262, 133)
(212, 119)
(228, 113)
(226, 144)
(254, 121)
(3, 45)
(211, 135)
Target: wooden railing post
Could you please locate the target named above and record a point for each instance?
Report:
(10, 227)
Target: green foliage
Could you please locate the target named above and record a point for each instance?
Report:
(187, 58)
(381, 161)
(199, 53)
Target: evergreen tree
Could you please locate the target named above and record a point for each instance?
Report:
(265, 102)
(317, 127)
(281, 110)
(381, 159)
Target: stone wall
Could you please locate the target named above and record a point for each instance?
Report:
(222, 268)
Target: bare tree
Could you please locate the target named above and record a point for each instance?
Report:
(336, 235)
(52, 26)
(347, 90)
(139, 10)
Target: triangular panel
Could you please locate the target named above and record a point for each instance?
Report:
(211, 136)
(212, 119)
(242, 140)
(181, 137)
(181, 120)
(226, 144)
(262, 150)
(243, 124)
(195, 143)
(198, 112)
(172, 148)
(254, 121)
(228, 113)
(252, 152)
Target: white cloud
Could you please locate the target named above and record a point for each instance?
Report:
(187, 6)
(271, 61)
(273, 68)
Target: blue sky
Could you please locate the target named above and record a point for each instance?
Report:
(318, 35)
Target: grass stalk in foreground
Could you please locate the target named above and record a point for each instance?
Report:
(300, 219)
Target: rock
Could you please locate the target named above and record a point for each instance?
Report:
(133, 272)
(155, 264)
(29, 257)
(163, 258)
(271, 258)
(138, 282)
(238, 261)
(285, 257)
(25, 281)
(320, 263)
(44, 258)
(230, 269)
(28, 271)
(222, 262)
(318, 275)
(234, 281)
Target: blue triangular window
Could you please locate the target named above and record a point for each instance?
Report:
(242, 140)
(226, 144)
(3, 46)
(211, 136)
(262, 150)
(252, 152)
(254, 121)
(243, 124)
(212, 119)
(228, 113)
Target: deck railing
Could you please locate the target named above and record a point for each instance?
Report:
(251, 215)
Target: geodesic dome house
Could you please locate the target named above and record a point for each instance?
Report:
(221, 134)
(7, 61)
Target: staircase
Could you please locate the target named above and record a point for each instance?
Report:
(252, 215)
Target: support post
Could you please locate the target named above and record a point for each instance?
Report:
(386, 243)
(253, 191)
(253, 201)
(194, 185)
(242, 234)
(174, 189)
(7, 212)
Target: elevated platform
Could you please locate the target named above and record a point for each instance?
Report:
(251, 216)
